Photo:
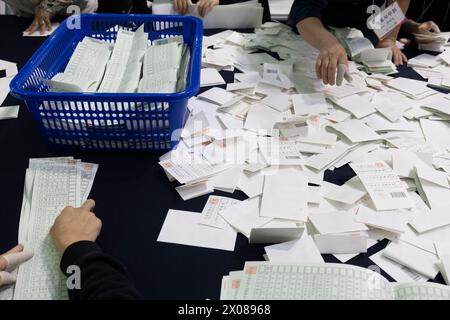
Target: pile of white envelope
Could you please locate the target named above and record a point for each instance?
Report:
(435, 69)
(274, 132)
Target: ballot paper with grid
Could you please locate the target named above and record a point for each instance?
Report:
(50, 185)
(284, 281)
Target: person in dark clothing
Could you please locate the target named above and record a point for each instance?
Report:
(123, 6)
(310, 17)
(205, 6)
(102, 277)
(423, 11)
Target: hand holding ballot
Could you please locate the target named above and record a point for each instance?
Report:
(398, 57)
(75, 224)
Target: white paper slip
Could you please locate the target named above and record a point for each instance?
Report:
(190, 169)
(251, 184)
(211, 212)
(392, 221)
(261, 117)
(9, 67)
(11, 112)
(285, 196)
(397, 271)
(241, 86)
(412, 257)
(244, 216)
(355, 131)
(280, 102)
(436, 132)
(385, 188)
(338, 116)
(341, 243)
(357, 105)
(194, 190)
(183, 227)
(335, 222)
(325, 159)
(37, 33)
(210, 77)
(409, 86)
(248, 77)
(322, 138)
(437, 218)
(276, 231)
(217, 95)
(280, 151)
(313, 103)
(427, 173)
(349, 193)
(303, 250)
(444, 267)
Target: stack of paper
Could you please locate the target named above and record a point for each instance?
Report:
(128, 65)
(432, 41)
(51, 184)
(309, 281)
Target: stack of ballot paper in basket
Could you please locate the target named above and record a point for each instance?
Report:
(273, 133)
(129, 65)
(51, 184)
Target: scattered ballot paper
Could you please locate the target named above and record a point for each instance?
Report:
(211, 212)
(335, 222)
(341, 243)
(285, 196)
(385, 188)
(210, 77)
(183, 227)
(9, 112)
(298, 251)
(349, 193)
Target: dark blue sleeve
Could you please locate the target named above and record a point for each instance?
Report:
(302, 9)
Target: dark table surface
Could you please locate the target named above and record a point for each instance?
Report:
(133, 196)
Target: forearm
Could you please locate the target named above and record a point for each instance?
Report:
(314, 32)
(404, 5)
(101, 276)
(410, 26)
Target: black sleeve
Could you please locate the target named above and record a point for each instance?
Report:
(102, 277)
(302, 9)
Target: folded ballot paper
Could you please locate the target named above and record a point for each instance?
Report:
(51, 184)
(243, 15)
(129, 65)
(272, 134)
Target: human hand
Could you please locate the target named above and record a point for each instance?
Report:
(205, 6)
(12, 259)
(181, 6)
(398, 57)
(41, 22)
(74, 225)
(328, 61)
(425, 27)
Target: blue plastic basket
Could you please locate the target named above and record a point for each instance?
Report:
(105, 121)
